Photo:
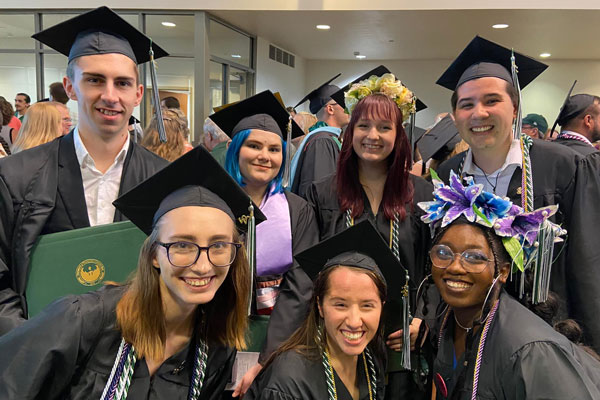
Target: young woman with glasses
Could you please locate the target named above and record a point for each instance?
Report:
(172, 331)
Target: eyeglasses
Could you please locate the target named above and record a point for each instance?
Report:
(471, 260)
(185, 254)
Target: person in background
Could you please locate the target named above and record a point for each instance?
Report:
(215, 140)
(175, 128)
(535, 126)
(170, 102)
(305, 120)
(65, 117)
(8, 133)
(187, 146)
(579, 119)
(172, 330)
(316, 157)
(42, 124)
(57, 93)
(22, 103)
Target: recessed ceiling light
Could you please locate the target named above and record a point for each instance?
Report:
(545, 55)
(236, 56)
(323, 27)
(360, 56)
(500, 26)
(169, 24)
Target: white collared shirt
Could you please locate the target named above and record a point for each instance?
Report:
(498, 181)
(100, 189)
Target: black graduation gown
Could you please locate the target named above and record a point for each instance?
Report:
(296, 288)
(292, 376)
(41, 191)
(68, 351)
(580, 147)
(523, 358)
(561, 177)
(318, 160)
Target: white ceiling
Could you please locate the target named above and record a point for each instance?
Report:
(410, 35)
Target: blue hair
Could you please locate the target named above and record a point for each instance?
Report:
(232, 164)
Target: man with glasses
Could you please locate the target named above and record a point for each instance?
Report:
(317, 155)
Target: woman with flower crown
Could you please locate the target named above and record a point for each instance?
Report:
(490, 346)
(173, 330)
(373, 183)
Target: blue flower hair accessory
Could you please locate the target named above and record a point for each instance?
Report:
(528, 237)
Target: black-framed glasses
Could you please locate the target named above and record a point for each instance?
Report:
(472, 260)
(184, 254)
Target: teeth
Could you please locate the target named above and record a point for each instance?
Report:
(481, 128)
(106, 112)
(458, 285)
(371, 146)
(197, 282)
(352, 336)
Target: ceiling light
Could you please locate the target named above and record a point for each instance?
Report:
(500, 26)
(360, 56)
(323, 27)
(236, 56)
(169, 24)
(545, 55)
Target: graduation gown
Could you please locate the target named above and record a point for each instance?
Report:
(317, 160)
(41, 191)
(562, 177)
(296, 288)
(292, 376)
(580, 147)
(68, 351)
(523, 358)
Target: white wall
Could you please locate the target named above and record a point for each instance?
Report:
(543, 96)
(277, 77)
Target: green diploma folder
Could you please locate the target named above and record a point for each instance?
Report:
(81, 260)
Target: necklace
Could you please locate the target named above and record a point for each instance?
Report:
(464, 328)
(371, 379)
(493, 185)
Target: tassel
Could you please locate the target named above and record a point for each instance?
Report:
(411, 135)
(251, 248)
(543, 263)
(286, 181)
(162, 134)
(514, 70)
(406, 317)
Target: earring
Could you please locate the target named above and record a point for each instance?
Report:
(486, 298)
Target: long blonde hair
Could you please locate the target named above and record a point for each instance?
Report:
(140, 314)
(176, 129)
(42, 123)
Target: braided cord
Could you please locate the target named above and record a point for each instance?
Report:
(526, 176)
(329, 375)
(349, 219)
(126, 374)
(111, 383)
(484, 333)
(372, 377)
(199, 370)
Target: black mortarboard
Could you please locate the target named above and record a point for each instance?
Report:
(338, 96)
(440, 139)
(418, 133)
(358, 246)
(100, 31)
(261, 111)
(194, 179)
(320, 96)
(482, 58)
(574, 106)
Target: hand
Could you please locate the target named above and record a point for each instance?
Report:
(246, 381)
(394, 341)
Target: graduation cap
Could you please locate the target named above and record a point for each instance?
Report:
(338, 96)
(102, 31)
(359, 246)
(440, 139)
(194, 179)
(482, 58)
(320, 96)
(572, 107)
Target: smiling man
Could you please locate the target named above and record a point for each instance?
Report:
(71, 182)
(485, 104)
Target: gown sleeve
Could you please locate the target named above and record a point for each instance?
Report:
(583, 252)
(40, 358)
(544, 370)
(320, 160)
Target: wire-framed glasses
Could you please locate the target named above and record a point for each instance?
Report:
(184, 254)
(472, 260)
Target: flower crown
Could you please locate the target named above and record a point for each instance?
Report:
(520, 231)
(388, 85)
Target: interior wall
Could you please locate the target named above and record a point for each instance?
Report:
(543, 96)
(277, 77)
